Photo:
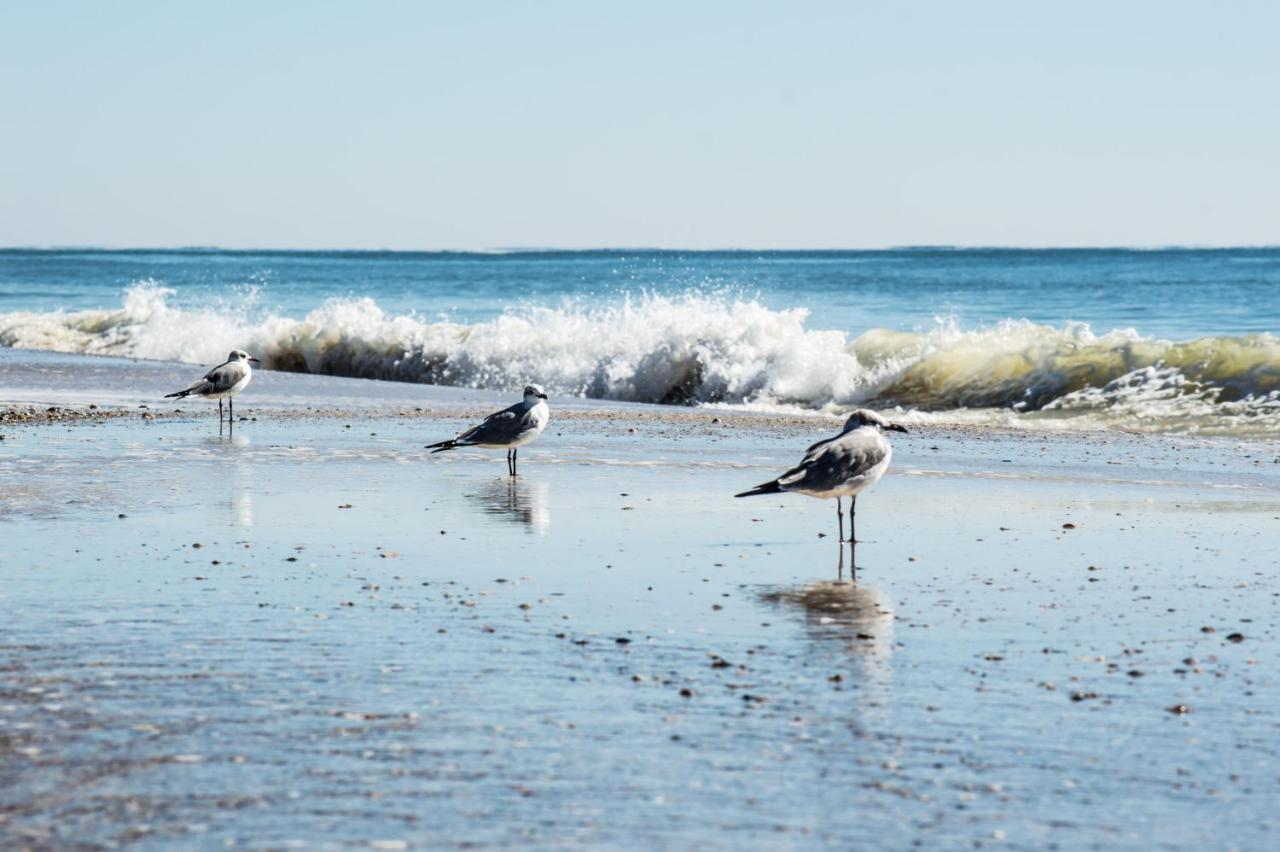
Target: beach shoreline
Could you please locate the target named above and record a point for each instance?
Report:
(37, 387)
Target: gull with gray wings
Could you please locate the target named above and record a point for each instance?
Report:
(509, 429)
(222, 382)
(842, 466)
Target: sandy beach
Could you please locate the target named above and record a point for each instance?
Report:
(313, 632)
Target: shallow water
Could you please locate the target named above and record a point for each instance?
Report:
(459, 658)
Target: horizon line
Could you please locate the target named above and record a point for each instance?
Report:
(504, 250)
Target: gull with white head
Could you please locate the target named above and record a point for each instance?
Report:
(843, 466)
(509, 429)
(222, 382)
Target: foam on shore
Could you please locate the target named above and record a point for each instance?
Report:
(700, 349)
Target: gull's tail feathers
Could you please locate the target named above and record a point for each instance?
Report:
(450, 444)
(766, 488)
(182, 394)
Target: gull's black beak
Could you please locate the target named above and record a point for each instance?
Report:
(255, 360)
(542, 396)
(894, 427)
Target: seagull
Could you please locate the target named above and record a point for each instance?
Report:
(510, 428)
(842, 466)
(223, 381)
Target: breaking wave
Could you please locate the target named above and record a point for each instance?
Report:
(699, 349)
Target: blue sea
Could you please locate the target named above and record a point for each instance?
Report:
(1177, 340)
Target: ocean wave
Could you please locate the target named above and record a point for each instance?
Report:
(700, 349)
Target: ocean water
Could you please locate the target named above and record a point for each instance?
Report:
(1178, 340)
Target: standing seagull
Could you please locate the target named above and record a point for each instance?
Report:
(841, 466)
(223, 381)
(510, 428)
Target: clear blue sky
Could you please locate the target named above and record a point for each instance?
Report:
(692, 124)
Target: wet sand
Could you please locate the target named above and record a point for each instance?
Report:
(314, 632)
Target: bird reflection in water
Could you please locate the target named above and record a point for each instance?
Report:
(853, 562)
(515, 500)
(238, 500)
(858, 617)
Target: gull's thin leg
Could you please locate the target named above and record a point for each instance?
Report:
(219, 411)
(515, 453)
(853, 507)
(840, 519)
(231, 410)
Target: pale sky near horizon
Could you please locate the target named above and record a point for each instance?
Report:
(697, 124)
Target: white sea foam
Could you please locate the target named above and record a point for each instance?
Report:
(719, 349)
